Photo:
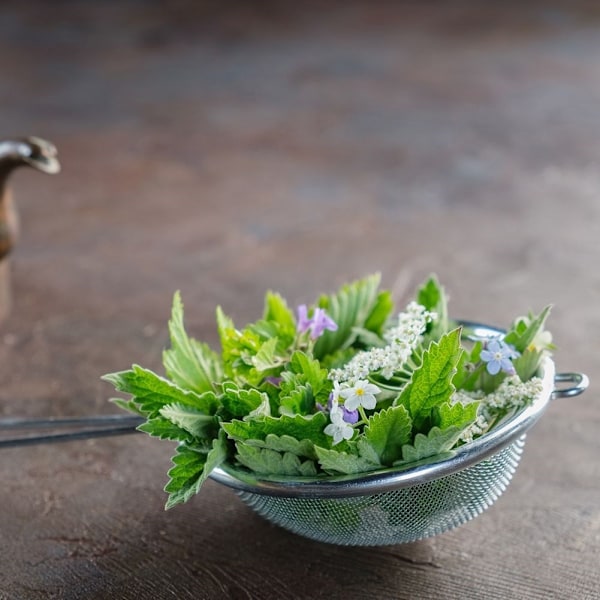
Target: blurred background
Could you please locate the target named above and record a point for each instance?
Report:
(228, 148)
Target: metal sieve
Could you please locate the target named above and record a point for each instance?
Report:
(399, 506)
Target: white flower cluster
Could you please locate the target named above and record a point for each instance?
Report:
(511, 394)
(402, 340)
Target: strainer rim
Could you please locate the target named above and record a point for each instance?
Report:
(395, 478)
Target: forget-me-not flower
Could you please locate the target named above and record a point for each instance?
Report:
(498, 354)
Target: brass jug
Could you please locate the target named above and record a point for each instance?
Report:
(33, 152)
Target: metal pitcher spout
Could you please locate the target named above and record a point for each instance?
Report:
(31, 152)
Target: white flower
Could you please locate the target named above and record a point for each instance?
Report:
(338, 428)
(361, 394)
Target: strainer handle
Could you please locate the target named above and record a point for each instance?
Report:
(580, 380)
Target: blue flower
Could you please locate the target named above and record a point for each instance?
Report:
(498, 355)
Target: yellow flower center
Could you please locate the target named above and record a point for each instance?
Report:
(360, 392)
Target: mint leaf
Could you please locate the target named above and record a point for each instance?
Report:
(437, 441)
(350, 307)
(270, 462)
(191, 468)
(431, 384)
(300, 427)
(151, 392)
(191, 420)
(190, 364)
(387, 431)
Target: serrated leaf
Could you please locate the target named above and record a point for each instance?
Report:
(128, 405)
(239, 402)
(151, 392)
(285, 443)
(300, 427)
(193, 421)
(190, 364)
(165, 429)
(386, 432)
(347, 463)
(191, 468)
(431, 384)
(350, 307)
(299, 400)
(265, 359)
(435, 442)
(269, 462)
(456, 415)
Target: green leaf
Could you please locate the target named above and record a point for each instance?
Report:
(350, 307)
(456, 415)
(193, 421)
(190, 364)
(300, 427)
(240, 402)
(285, 443)
(432, 296)
(431, 384)
(387, 431)
(265, 359)
(277, 310)
(151, 392)
(165, 429)
(299, 400)
(191, 468)
(522, 335)
(380, 313)
(528, 363)
(437, 441)
(347, 463)
(270, 462)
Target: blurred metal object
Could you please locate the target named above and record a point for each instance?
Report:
(33, 152)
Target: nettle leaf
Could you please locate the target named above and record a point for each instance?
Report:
(239, 402)
(350, 307)
(431, 384)
(359, 459)
(387, 431)
(151, 392)
(192, 421)
(310, 369)
(523, 334)
(299, 400)
(437, 441)
(286, 443)
(456, 415)
(165, 429)
(266, 359)
(191, 468)
(189, 363)
(432, 296)
(269, 462)
(300, 427)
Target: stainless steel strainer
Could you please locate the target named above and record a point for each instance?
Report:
(393, 506)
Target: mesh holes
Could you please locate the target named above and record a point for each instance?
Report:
(398, 516)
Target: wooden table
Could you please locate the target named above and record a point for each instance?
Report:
(226, 149)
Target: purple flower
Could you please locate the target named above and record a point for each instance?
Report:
(317, 324)
(497, 354)
(350, 416)
(276, 381)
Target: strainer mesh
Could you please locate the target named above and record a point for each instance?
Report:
(398, 516)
